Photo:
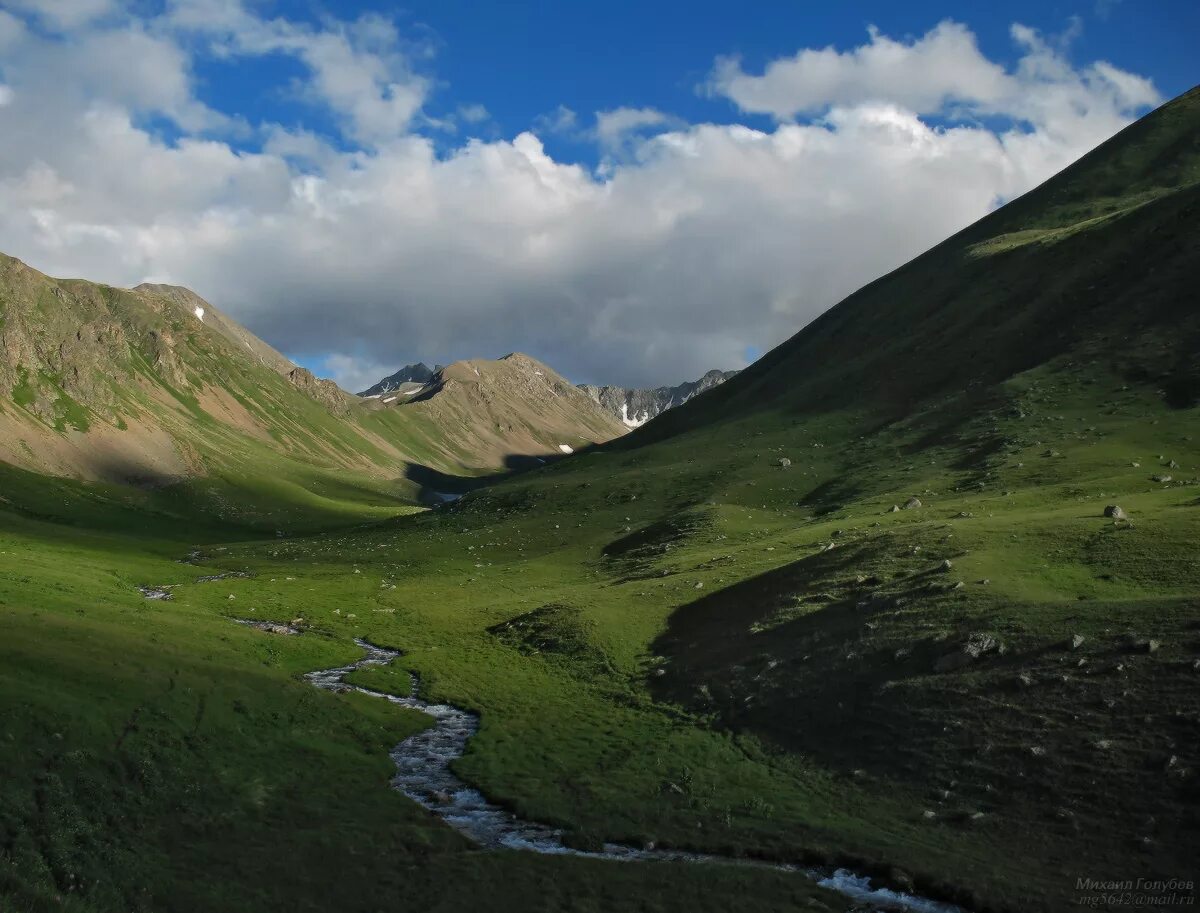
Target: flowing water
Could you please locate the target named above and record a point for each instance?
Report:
(423, 774)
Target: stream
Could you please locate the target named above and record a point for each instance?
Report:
(423, 774)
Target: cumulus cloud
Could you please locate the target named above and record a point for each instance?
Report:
(383, 248)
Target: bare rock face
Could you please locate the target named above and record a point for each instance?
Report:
(636, 407)
(325, 392)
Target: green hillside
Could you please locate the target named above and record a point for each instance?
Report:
(860, 605)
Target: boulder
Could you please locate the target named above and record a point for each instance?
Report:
(784, 463)
(912, 503)
(1114, 512)
(1075, 642)
(976, 645)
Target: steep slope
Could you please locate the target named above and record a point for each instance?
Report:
(635, 407)
(154, 387)
(1094, 262)
(418, 374)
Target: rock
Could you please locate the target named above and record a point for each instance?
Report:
(1025, 680)
(1172, 465)
(912, 503)
(975, 646)
(1075, 642)
(1037, 751)
(1102, 744)
(1160, 478)
(946, 565)
(699, 585)
(1135, 644)
(1115, 512)
(895, 509)
(929, 815)
(784, 462)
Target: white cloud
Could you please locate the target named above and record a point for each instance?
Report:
(378, 249)
(614, 128)
(943, 66)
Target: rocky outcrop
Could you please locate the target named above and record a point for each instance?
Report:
(325, 392)
(636, 407)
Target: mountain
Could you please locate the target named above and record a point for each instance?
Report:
(512, 411)
(636, 407)
(155, 387)
(418, 374)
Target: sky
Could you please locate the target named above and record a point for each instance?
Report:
(634, 193)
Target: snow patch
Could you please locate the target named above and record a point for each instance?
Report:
(390, 399)
(199, 312)
(637, 420)
(565, 448)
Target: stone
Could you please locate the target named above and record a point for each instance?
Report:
(929, 815)
(946, 565)
(1114, 511)
(1160, 478)
(1075, 642)
(895, 509)
(1025, 680)
(912, 503)
(784, 462)
(975, 646)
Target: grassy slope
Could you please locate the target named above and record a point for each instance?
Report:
(659, 639)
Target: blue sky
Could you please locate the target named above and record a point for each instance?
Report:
(633, 192)
(522, 60)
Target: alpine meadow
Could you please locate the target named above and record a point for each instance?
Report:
(901, 615)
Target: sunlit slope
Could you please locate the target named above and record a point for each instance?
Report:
(153, 387)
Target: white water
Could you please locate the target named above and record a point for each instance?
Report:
(423, 774)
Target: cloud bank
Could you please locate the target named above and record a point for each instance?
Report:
(372, 246)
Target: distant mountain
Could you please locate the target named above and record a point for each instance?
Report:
(636, 407)
(419, 374)
(154, 386)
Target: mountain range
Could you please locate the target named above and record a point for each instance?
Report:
(635, 407)
(908, 604)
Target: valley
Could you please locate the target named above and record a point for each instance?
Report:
(914, 596)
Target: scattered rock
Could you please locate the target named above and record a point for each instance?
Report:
(912, 504)
(975, 646)
(1114, 511)
(1135, 644)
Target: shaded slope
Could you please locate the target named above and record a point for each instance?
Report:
(1094, 262)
